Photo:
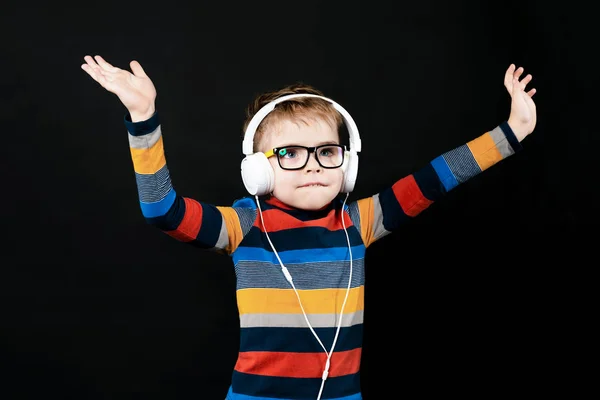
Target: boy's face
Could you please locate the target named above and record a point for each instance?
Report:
(312, 187)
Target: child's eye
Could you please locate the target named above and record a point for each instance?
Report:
(287, 153)
(328, 151)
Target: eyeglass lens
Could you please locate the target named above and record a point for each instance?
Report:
(294, 157)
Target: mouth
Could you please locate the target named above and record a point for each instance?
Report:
(313, 184)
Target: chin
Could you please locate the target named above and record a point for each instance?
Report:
(313, 200)
(312, 205)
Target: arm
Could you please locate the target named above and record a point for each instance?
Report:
(386, 211)
(201, 224)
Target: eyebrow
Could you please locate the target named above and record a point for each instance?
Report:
(318, 144)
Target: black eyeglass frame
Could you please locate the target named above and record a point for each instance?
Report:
(275, 152)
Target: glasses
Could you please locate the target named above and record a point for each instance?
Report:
(296, 157)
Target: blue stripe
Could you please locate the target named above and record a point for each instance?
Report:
(159, 208)
(443, 171)
(300, 340)
(297, 256)
(257, 387)
(245, 202)
(235, 396)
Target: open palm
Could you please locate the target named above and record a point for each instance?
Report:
(523, 114)
(135, 90)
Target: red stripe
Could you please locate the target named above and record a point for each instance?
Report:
(277, 220)
(410, 197)
(190, 224)
(297, 365)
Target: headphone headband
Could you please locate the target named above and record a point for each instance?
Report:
(248, 143)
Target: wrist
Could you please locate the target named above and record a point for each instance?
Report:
(140, 128)
(510, 136)
(520, 130)
(138, 116)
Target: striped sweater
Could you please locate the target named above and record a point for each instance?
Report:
(279, 357)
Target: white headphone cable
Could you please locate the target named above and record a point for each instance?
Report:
(288, 276)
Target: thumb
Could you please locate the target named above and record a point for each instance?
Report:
(137, 69)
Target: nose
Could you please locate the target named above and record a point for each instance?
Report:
(312, 165)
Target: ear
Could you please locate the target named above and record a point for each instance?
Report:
(350, 167)
(257, 174)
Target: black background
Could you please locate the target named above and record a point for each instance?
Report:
(479, 296)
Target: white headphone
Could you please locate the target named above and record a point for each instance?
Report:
(257, 173)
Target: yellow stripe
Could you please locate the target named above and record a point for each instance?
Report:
(149, 161)
(485, 151)
(284, 301)
(234, 229)
(367, 217)
(269, 153)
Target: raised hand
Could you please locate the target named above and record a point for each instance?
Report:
(135, 90)
(523, 114)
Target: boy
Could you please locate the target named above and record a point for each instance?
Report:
(297, 247)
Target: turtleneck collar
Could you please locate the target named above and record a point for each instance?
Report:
(273, 201)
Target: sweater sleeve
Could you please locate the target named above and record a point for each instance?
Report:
(201, 224)
(387, 210)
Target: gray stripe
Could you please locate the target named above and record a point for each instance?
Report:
(298, 321)
(318, 275)
(462, 163)
(501, 142)
(354, 213)
(223, 239)
(145, 141)
(153, 187)
(379, 230)
(247, 217)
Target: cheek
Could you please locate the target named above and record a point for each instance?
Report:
(339, 176)
(273, 162)
(281, 177)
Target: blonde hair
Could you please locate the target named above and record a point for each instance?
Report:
(299, 109)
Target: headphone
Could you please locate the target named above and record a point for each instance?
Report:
(257, 173)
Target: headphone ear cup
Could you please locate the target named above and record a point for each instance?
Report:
(257, 174)
(350, 168)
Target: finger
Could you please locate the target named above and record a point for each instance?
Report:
(137, 69)
(90, 71)
(92, 64)
(93, 73)
(90, 60)
(104, 64)
(518, 72)
(526, 80)
(531, 92)
(93, 69)
(509, 75)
